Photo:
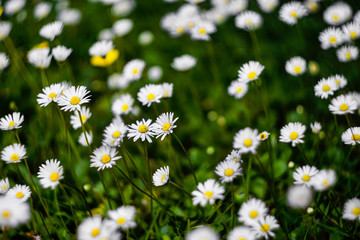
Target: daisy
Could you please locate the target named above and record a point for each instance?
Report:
(122, 27)
(357, 17)
(325, 88)
(347, 53)
(342, 104)
(11, 121)
(40, 57)
(155, 73)
(164, 125)
(13, 6)
(195, 1)
(324, 179)
(114, 134)
(5, 28)
(296, 66)
(73, 98)
(293, 132)
(313, 67)
(141, 129)
(241, 233)
(299, 196)
(356, 97)
(312, 5)
(304, 175)
(42, 10)
(167, 89)
(252, 210)
(228, 170)
(291, 12)
(145, 38)
(246, 140)
(340, 81)
(351, 31)
(250, 71)
(123, 8)
(149, 94)
(265, 226)
(118, 80)
(13, 153)
(19, 192)
(104, 157)
(337, 13)
(133, 69)
(69, 16)
(234, 156)
(61, 53)
(237, 89)
(75, 120)
(50, 174)
(263, 135)
(4, 185)
(315, 127)
(51, 30)
(91, 227)
(201, 233)
(352, 209)
(4, 61)
(122, 105)
(82, 139)
(13, 213)
(161, 176)
(237, 6)
(202, 30)
(330, 37)
(101, 48)
(184, 62)
(248, 20)
(123, 217)
(351, 136)
(106, 34)
(49, 94)
(208, 192)
(268, 5)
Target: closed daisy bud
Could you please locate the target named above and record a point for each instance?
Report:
(122, 27)
(324, 179)
(40, 57)
(73, 98)
(11, 121)
(42, 10)
(234, 156)
(208, 192)
(5, 28)
(330, 37)
(246, 140)
(248, 20)
(310, 210)
(69, 16)
(291, 164)
(61, 53)
(13, 153)
(155, 73)
(299, 196)
(49, 94)
(340, 81)
(82, 139)
(305, 175)
(141, 129)
(118, 81)
(351, 31)
(228, 170)
(342, 104)
(4, 185)
(13, 213)
(4, 61)
(202, 30)
(101, 48)
(250, 71)
(133, 69)
(167, 89)
(19, 192)
(352, 209)
(149, 94)
(161, 176)
(296, 66)
(252, 210)
(293, 132)
(237, 89)
(51, 30)
(313, 67)
(351, 136)
(291, 12)
(337, 13)
(201, 233)
(347, 53)
(263, 135)
(104, 157)
(315, 127)
(75, 120)
(325, 88)
(184, 62)
(268, 5)
(123, 217)
(241, 233)
(114, 133)
(50, 174)
(265, 227)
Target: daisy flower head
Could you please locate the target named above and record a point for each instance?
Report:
(101, 48)
(73, 97)
(325, 88)
(342, 104)
(291, 12)
(337, 13)
(49, 94)
(228, 170)
(50, 173)
(133, 69)
(177, 26)
(252, 210)
(295, 66)
(208, 192)
(201, 233)
(104, 157)
(51, 30)
(4, 61)
(268, 5)
(202, 30)
(91, 228)
(141, 129)
(195, 1)
(246, 140)
(184, 62)
(164, 125)
(13, 6)
(237, 6)
(61, 53)
(234, 156)
(5, 28)
(330, 37)
(155, 73)
(13, 213)
(238, 89)
(265, 226)
(305, 175)
(167, 89)
(123, 217)
(145, 38)
(351, 136)
(19, 192)
(324, 179)
(106, 34)
(42, 10)
(4, 185)
(82, 139)
(75, 120)
(263, 135)
(13, 153)
(347, 53)
(292, 132)
(40, 57)
(122, 27)
(340, 81)
(69, 16)
(250, 71)
(241, 233)
(122, 105)
(356, 97)
(248, 20)
(11, 121)
(352, 209)
(299, 196)
(118, 81)
(114, 133)
(315, 127)
(351, 31)
(312, 5)
(161, 176)
(357, 17)
(149, 94)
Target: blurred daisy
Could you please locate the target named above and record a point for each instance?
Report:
(228, 170)
(104, 157)
(82, 139)
(133, 69)
(161, 176)
(145, 38)
(5, 28)
(315, 127)
(42, 10)
(49, 94)
(118, 80)
(352, 209)
(123, 8)
(167, 89)
(295, 66)
(234, 156)
(141, 129)
(248, 20)
(356, 97)
(241, 233)
(246, 140)
(250, 71)
(13, 213)
(299, 196)
(337, 13)
(40, 57)
(312, 5)
(183, 63)
(122, 105)
(69, 16)
(313, 67)
(101, 48)
(340, 81)
(50, 173)
(13, 6)
(324, 179)
(357, 17)
(155, 73)
(4, 61)
(75, 120)
(114, 134)
(263, 135)
(61, 53)
(106, 34)
(4, 185)
(351, 31)
(252, 210)
(90, 228)
(237, 89)
(195, 1)
(124, 217)
(164, 125)
(268, 5)
(13, 153)
(265, 227)
(291, 12)
(351, 136)
(51, 30)
(202, 30)
(20, 192)
(304, 175)
(149, 94)
(208, 192)
(11, 121)
(292, 132)
(201, 233)
(347, 53)
(330, 37)
(122, 27)
(73, 98)
(325, 88)
(237, 6)
(342, 104)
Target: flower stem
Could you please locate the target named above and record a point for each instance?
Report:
(232, 206)
(303, 154)
(69, 203)
(83, 128)
(179, 187)
(149, 176)
(81, 194)
(118, 187)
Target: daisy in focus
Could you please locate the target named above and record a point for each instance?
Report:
(13, 153)
(208, 192)
(149, 94)
(11, 121)
(49, 94)
(250, 71)
(352, 209)
(228, 170)
(85, 114)
(123, 217)
(164, 125)
(104, 157)
(265, 227)
(292, 132)
(50, 173)
(252, 210)
(291, 12)
(141, 129)
(305, 175)
(246, 140)
(73, 98)
(351, 136)
(19, 192)
(342, 104)
(295, 66)
(114, 133)
(161, 176)
(325, 88)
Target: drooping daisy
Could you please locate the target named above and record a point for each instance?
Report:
(330, 37)
(50, 173)
(42, 10)
(291, 12)
(183, 63)
(118, 80)
(73, 97)
(51, 30)
(141, 129)
(351, 136)
(75, 120)
(104, 157)
(248, 20)
(13, 153)
(228, 170)
(234, 156)
(315, 127)
(325, 88)
(40, 57)
(4, 185)
(347, 53)
(167, 90)
(161, 176)
(122, 27)
(246, 140)
(91, 227)
(149, 94)
(11, 121)
(4, 61)
(304, 175)
(342, 104)
(268, 5)
(201, 233)
(82, 139)
(263, 135)
(352, 209)
(208, 192)
(19, 192)
(202, 30)
(241, 233)
(124, 217)
(250, 71)
(164, 125)
(237, 89)
(351, 31)
(324, 179)
(61, 53)
(13, 213)
(5, 28)
(101, 48)
(252, 210)
(155, 73)
(265, 227)
(115, 133)
(340, 81)
(295, 66)
(292, 132)
(337, 13)
(133, 69)
(49, 94)
(299, 196)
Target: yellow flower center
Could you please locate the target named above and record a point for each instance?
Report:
(143, 129)
(105, 159)
(4, 187)
(95, 232)
(121, 220)
(325, 182)
(251, 75)
(343, 107)
(83, 118)
(348, 55)
(14, 157)
(229, 172)
(297, 69)
(166, 126)
(190, 25)
(293, 14)
(179, 30)
(54, 176)
(19, 195)
(116, 134)
(247, 142)
(248, 22)
(235, 159)
(337, 81)
(253, 214)
(294, 135)
(333, 40)
(202, 31)
(356, 211)
(239, 90)
(315, 130)
(166, 93)
(241, 238)
(11, 124)
(150, 96)
(52, 95)
(356, 137)
(353, 34)
(74, 100)
(208, 194)
(306, 178)
(125, 107)
(326, 88)
(163, 177)
(336, 18)
(265, 227)
(135, 71)
(262, 136)
(6, 214)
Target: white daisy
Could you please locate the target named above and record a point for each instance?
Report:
(149, 94)
(61, 53)
(161, 176)
(325, 88)
(201, 233)
(114, 133)
(248, 20)
(73, 97)
(252, 210)
(19, 192)
(91, 227)
(304, 175)
(312, 5)
(122, 27)
(315, 127)
(69, 16)
(291, 12)
(167, 89)
(106, 34)
(241, 233)
(5, 28)
(82, 139)
(357, 17)
(49, 94)
(50, 173)
(101, 48)
(236, 6)
(164, 125)
(292, 132)
(133, 69)
(330, 37)
(268, 5)
(122, 105)
(246, 140)
(184, 62)
(11, 121)
(351, 31)
(4, 185)
(40, 57)
(145, 38)
(75, 120)
(299, 196)
(228, 170)
(13, 213)
(104, 157)
(237, 89)
(352, 209)
(351, 136)
(42, 10)
(13, 153)
(141, 129)
(202, 30)
(347, 53)
(13, 6)
(155, 73)
(234, 156)
(208, 192)
(340, 81)
(195, 1)
(324, 179)
(263, 135)
(124, 217)
(265, 226)
(51, 30)
(356, 97)
(118, 81)
(4, 61)
(295, 66)
(250, 71)
(337, 13)
(342, 104)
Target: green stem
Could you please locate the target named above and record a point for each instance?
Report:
(232, 206)
(221, 216)
(81, 194)
(179, 187)
(69, 203)
(255, 45)
(83, 128)
(105, 189)
(118, 187)
(149, 176)
(303, 154)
